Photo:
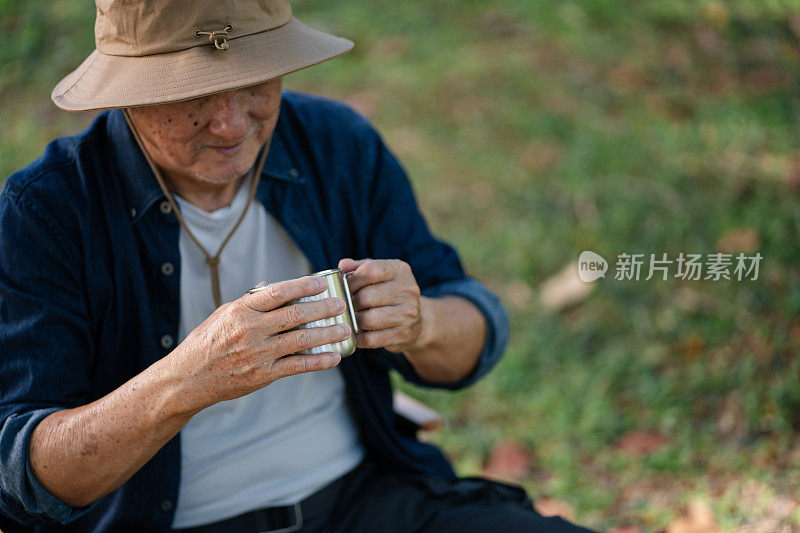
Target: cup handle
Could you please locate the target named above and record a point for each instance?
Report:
(350, 303)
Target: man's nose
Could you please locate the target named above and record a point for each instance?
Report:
(228, 117)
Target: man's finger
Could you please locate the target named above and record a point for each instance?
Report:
(297, 364)
(378, 339)
(294, 315)
(378, 295)
(370, 272)
(348, 265)
(303, 339)
(379, 318)
(269, 297)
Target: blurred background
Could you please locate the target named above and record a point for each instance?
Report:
(533, 131)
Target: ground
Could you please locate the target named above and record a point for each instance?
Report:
(533, 131)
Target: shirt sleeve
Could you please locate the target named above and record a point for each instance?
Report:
(45, 346)
(397, 229)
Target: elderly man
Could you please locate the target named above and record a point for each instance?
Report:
(141, 387)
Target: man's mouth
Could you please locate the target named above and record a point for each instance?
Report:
(233, 149)
(228, 150)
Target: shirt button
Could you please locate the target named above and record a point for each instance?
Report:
(165, 207)
(167, 269)
(166, 341)
(132, 212)
(166, 505)
(293, 173)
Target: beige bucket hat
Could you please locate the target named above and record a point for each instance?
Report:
(159, 51)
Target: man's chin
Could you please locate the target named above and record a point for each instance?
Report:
(219, 178)
(221, 173)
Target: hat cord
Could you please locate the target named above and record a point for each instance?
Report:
(218, 38)
(211, 261)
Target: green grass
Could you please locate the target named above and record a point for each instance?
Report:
(533, 131)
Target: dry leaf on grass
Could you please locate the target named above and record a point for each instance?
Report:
(624, 529)
(553, 507)
(732, 419)
(699, 518)
(769, 512)
(540, 156)
(390, 47)
(508, 461)
(564, 289)
(717, 13)
(793, 168)
(517, 293)
(642, 441)
(739, 240)
(365, 102)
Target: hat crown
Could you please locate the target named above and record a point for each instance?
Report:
(146, 27)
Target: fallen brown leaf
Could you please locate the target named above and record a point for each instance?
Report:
(390, 47)
(627, 79)
(407, 142)
(732, 420)
(774, 513)
(679, 57)
(688, 300)
(717, 13)
(624, 529)
(564, 289)
(553, 507)
(518, 294)
(793, 169)
(508, 461)
(765, 79)
(642, 441)
(708, 40)
(540, 156)
(365, 102)
(739, 240)
(699, 518)
(496, 23)
(692, 347)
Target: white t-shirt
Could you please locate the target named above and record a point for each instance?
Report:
(274, 446)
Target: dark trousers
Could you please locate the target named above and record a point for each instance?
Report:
(369, 500)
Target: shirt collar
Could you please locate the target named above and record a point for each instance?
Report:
(139, 184)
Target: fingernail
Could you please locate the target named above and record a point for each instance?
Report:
(339, 304)
(320, 282)
(335, 358)
(344, 329)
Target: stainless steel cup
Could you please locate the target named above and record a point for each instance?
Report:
(337, 288)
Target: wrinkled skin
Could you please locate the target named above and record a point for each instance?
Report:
(203, 146)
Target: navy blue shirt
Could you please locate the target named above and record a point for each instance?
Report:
(85, 304)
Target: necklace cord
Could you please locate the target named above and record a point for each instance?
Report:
(212, 261)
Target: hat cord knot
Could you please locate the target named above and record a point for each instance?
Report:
(218, 38)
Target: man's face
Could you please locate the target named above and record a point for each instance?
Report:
(213, 139)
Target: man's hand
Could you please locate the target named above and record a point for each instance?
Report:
(83, 453)
(386, 298)
(245, 344)
(441, 337)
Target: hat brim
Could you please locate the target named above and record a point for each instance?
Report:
(105, 81)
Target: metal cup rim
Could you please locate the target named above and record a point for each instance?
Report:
(326, 272)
